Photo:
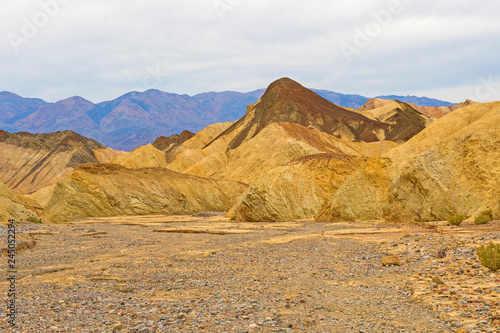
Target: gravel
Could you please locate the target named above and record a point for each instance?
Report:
(128, 278)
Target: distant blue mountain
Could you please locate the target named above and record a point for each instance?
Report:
(138, 118)
(422, 101)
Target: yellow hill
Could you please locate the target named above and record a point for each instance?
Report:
(277, 145)
(295, 191)
(451, 167)
(199, 141)
(11, 206)
(29, 162)
(101, 190)
(142, 157)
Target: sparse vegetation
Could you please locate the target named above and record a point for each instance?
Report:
(485, 217)
(33, 219)
(489, 256)
(456, 219)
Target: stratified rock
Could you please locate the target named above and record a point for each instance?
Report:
(168, 144)
(431, 112)
(142, 157)
(101, 190)
(11, 207)
(403, 120)
(34, 161)
(450, 167)
(179, 161)
(363, 196)
(287, 101)
(295, 191)
(290, 122)
(277, 145)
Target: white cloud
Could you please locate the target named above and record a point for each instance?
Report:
(101, 49)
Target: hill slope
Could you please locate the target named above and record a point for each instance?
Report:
(287, 123)
(29, 162)
(449, 168)
(287, 101)
(11, 207)
(100, 190)
(295, 191)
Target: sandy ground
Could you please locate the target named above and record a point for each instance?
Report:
(208, 274)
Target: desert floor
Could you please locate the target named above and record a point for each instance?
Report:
(207, 274)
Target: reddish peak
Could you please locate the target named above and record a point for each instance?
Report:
(285, 84)
(172, 141)
(186, 134)
(72, 138)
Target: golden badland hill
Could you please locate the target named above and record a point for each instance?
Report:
(101, 190)
(449, 168)
(11, 206)
(30, 162)
(293, 156)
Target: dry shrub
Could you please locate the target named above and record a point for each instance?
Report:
(485, 217)
(489, 256)
(456, 219)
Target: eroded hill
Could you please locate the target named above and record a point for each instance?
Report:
(29, 162)
(101, 190)
(450, 168)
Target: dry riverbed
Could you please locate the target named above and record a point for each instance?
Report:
(207, 274)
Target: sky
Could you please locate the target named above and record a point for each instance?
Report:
(54, 49)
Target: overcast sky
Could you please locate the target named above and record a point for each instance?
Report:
(101, 49)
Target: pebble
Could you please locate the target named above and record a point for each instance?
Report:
(248, 285)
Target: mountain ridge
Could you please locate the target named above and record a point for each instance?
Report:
(29, 162)
(138, 118)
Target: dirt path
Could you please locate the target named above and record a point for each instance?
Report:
(187, 274)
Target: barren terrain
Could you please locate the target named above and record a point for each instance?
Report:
(207, 274)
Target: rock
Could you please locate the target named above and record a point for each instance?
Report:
(21, 246)
(118, 327)
(433, 112)
(142, 157)
(297, 190)
(437, 279)
(469, 328)
(391, 261)
(449, 167)
(49, 154)
(123, 288)
(441, 254)
(362, 196)
(171, 143)
(193, 147)
(287, 123)
(100, 190)
(11, 207)
(26, 245)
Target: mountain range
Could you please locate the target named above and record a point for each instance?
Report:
(138, 118)
(292, 156)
